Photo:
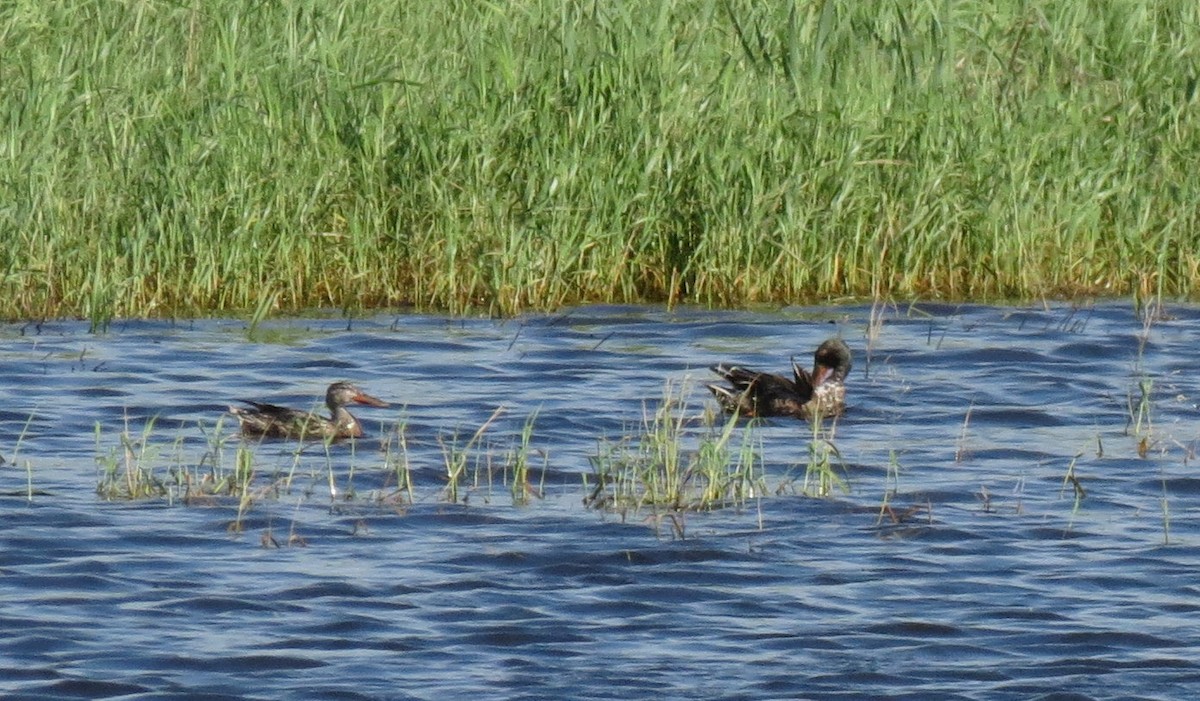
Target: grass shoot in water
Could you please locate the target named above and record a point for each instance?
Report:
(823, 474)
(669, 465)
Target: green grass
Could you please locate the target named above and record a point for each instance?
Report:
(1077, 490)
(824, 470)
(459, 458)
(248, 158)
(127, 470)
(145, 464)
(674, 463)
(15, 461)
(472, 468)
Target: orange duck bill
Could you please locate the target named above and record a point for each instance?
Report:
(364, 398)
(270, 421)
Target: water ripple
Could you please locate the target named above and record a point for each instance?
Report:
(961, 564)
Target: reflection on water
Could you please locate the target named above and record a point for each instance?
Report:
(1003, 537)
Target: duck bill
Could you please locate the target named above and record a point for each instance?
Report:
(364, 398)
(820, 374)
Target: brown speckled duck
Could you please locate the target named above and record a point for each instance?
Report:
(271, 421)
(820, 393)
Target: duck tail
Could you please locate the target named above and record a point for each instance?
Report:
(736, 375)
(804, 380)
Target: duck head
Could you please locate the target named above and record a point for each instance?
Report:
(831, 362)
(340, 394)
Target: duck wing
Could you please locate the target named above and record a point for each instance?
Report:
(754, 393)
(275, 421)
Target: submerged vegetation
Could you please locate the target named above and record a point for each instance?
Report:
(656, 467)
(676, 461)
(143, 465)
(242, 158)
(679, 459)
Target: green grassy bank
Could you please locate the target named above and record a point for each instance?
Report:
(224, 157)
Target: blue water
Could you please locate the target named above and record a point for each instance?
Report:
(989, 582)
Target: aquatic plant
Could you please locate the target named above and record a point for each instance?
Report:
(398, 464)
(874, 329)
(1165, 505)
(1140, 394)
(150, 466)
(822, 474)
(890, 488)
(244, 477)
(517, 466)
(1148, 296)
(1139, 423)
(127, 469)
(147, 465)
(482, 457)
(655, 468)
(823, 469)
(15, 459)
(961, 451)
(1070, 478)
(985, 499)
(457, 457)
(497, 157)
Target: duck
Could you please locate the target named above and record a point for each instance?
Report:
(270, 421)
(821, 393)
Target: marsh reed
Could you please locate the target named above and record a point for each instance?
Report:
(189, 158)
(675, 462)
